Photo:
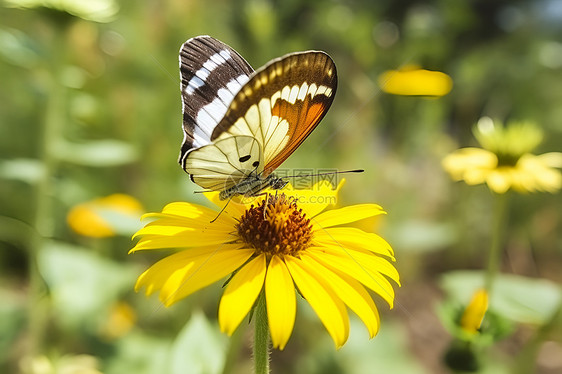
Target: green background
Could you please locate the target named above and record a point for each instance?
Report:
(90, 106)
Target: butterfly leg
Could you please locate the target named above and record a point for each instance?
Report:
(222, 210)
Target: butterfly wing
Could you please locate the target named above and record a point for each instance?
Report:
(211, 75)
(225, 163)
(281, 104)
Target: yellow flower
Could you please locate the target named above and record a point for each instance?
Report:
(413, 81)
(282, 245)
(506, 162)
(120, 321)
(473, 315)
(92, 217)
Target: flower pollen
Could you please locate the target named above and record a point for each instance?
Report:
(276, 226)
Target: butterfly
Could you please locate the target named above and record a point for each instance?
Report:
(239, 125)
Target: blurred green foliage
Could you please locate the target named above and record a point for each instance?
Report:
(90, 106)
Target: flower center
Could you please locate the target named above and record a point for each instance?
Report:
(275, 226)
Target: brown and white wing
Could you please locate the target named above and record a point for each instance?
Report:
(211, 73)
(281, 104)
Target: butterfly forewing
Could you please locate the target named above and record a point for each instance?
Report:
(281, 104)
(211, 75)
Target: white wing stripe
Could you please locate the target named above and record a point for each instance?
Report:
(193, 84)
(210, 115)
(198, 80)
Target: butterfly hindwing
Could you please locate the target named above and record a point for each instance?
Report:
(226, 162)
(211, 75)
(281, 104)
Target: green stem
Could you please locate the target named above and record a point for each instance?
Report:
(526, 360)
(38, 308)
(498, 226)
(261, 338)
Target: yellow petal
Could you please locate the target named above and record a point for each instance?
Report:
(474, 312)
(241, 293)
(499, 180)
(185, 272)
(281, 302)
(351, 292)
(315, 200)
(366, 259)
(182, 240)
(173, 231)
(346, 215)
(88, 218)
(551, 159)
(470, 163)
(329, 308)
(541, 169)
(350, 237)
(194, 211)
(370, 278)
(234, 207)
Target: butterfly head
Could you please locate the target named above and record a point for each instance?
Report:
(275, 182)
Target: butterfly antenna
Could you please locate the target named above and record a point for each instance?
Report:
(328, 173)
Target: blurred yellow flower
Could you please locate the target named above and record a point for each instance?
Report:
(121, 319)
(279, 244)
(92, 218)
(68, 364)
(473, 315)
(413, 81)
(505, 162)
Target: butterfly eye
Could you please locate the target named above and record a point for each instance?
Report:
(244, 158)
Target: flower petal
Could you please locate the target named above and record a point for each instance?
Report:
(185, 272)
(499, 180)
(351, 292)
(315, 200)
(470, 164)
(365, 273)
(281, 302)
(171, 231)
(194, 211)
(234, 207)
(346, 215)
(350, 237)
(241, 293)
(327, 305)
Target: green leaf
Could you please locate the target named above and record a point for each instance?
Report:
(12, 319)
(139, 353)
(121, 223)
(199, 348)
(23, 169)
(419, 236)
(82, 283)
(18, 49)
(520, 299)
(99, 153)
(360, 355)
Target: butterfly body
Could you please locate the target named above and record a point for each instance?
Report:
(240, 124)
(253, 186)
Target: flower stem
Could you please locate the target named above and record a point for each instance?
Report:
(261, 338)
(498, 226)
(38, 309)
